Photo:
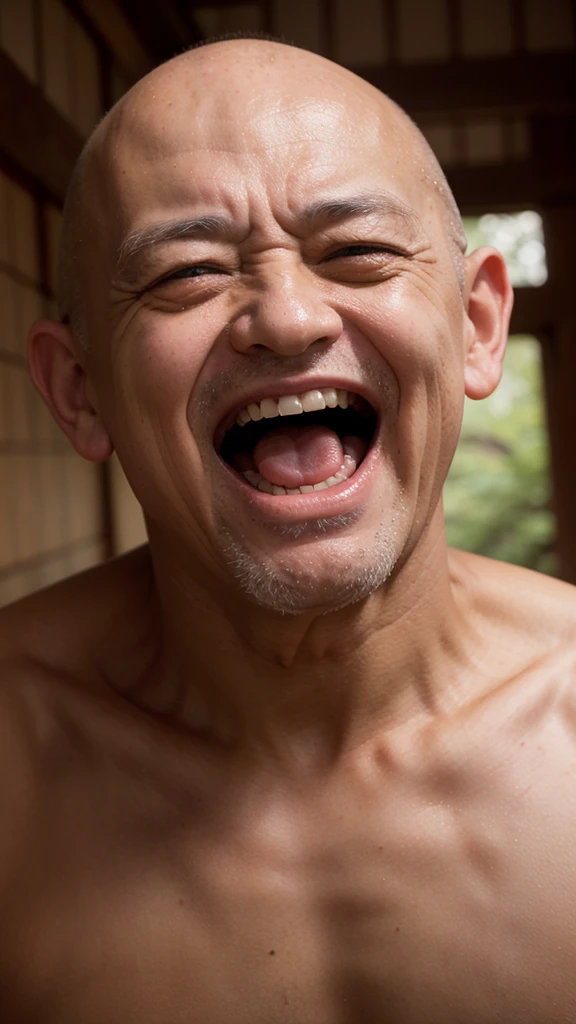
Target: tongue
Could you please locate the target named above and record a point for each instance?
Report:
(293, 456)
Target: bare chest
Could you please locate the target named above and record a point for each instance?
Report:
(446, 901)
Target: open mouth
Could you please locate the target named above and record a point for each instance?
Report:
(295, 444)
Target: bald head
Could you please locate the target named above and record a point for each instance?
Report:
(241, 96)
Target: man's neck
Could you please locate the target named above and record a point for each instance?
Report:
(299, 690)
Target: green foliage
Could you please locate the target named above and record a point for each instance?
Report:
(520, 239)
(497, 494)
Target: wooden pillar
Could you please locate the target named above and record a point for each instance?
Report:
(559, 364)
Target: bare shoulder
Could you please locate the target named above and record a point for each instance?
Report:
(57, 649)
(526, 624)
(521, 601)
(60, 621)
(74, 628)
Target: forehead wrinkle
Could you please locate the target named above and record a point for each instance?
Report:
(207, 226)
(210, 225)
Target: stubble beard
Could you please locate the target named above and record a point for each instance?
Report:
(278, 587)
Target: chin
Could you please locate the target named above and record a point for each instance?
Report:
(314, 571)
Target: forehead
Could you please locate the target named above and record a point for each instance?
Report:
(231, 135)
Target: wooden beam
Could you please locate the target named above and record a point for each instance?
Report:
(118, 35)
(525, 82)
(162, 26)
(534, 309)
(33, 135)
(515, 185)
(559, 363)
(218, 3)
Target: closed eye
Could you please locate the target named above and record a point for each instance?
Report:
(362, 250)
(195, 270)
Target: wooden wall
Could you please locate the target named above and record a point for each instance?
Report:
(58, 513)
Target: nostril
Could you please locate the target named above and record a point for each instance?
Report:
(286, 327)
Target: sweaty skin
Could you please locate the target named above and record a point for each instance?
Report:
(293, 762)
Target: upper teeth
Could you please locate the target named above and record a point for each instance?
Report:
(293, 405)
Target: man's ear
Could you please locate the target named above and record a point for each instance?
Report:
(488, 299)
(62, 382)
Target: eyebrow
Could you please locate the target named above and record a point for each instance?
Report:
(363, 205)
(208, 226)
(330, 211)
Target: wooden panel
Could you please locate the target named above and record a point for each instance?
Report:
(161, 25)
(423, 33)
(8, 471)
(28, 577)
(119, 85)
(208, 20)
(22, 231)
(87, 105)
(54, 31)
(33, 134)
(559, 362)
(9, 322)
(51, 476)
(486, 27)
(513, 186)
(22, 578)
(517, 138)
(13, 587)
(36, 510)
(17, 420)
(53, 227)
(4, 191)
(26, 539)
(120, 37)
(549, 24)
(229, 18)
(6, 538)
(484, 142)
(359, 33)
(85, 555)
(51, 516)
(440, 137)
(538, 82)
(30, 307)
(17, 34)
(531, 311)
(54, 566)
(85, 499)
(300, 22)
(5, 404)
(128, 528)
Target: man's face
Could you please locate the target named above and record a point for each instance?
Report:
(278, 237)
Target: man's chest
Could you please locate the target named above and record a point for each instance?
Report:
(432, 904)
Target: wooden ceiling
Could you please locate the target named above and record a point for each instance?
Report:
(492, 83)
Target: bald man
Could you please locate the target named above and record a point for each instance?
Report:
(294, 762)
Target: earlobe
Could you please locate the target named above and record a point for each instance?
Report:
(61, 381)
(488, 297)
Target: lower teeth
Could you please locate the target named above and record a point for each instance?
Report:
(259, 483)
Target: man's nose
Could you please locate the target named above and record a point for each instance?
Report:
(287, 315)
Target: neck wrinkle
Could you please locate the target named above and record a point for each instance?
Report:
(304, 689)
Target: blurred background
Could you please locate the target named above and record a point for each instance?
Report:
(491, 83)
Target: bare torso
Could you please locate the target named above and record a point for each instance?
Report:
(431, 878)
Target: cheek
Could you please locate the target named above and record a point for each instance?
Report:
(155, 368)
(420, 341)
(415, 327)
(158, 365)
